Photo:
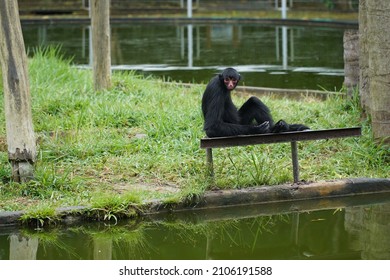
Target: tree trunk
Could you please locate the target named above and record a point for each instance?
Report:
(17, 100)
(364, 84)
(379, 67)
(100, 23)
(351, 60)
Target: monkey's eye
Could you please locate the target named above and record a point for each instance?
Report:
(227, 80)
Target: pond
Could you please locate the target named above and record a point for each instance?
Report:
(266, 55)
(345, 228)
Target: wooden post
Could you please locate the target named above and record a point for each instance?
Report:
(378, 24)
(364, 45)
(17, 99)
(100, 23)
(351, 60)
(294, 155)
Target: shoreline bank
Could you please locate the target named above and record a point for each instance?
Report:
(293, 194)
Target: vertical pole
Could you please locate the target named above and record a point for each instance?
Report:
(89, 9)
(284, 35)
(90, 46)
(284, 47)
(210, 167)
(284, 9)
(295, 228)
(190, 38)
(197, 43)
(292, 51)
(189, 8)
(294, 155)
(277, 49)
(182, 43)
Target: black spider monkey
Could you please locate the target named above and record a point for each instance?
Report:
(221, 117)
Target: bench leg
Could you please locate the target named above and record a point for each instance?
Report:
(210, 167)
(294, 155)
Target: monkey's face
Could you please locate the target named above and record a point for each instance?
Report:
(230, 77)
(230, 83)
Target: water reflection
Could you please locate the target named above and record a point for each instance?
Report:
(269, 56)
(359, 231)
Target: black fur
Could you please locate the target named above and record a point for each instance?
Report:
(221, 117)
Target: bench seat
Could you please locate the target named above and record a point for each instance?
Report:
(292, 137)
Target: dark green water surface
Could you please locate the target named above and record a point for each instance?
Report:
(358, 229)
(266, 55)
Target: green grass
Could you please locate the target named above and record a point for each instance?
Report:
(139, 141)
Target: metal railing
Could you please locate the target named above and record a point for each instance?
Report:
(198, 5)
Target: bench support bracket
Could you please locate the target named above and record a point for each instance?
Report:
(295, 163)
(210, 167)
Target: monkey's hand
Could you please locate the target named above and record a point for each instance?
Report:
(280, 126)
(262, 128)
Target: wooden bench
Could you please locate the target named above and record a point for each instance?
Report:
(293, 137)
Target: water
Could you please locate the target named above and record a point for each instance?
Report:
(350, 228)
(266, 55)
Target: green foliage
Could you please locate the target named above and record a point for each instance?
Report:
(40, 215)
(112, 206)
(95, 148)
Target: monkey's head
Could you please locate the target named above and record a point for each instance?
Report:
(230, 77)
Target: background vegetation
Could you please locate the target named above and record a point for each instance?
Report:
(139, 141)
